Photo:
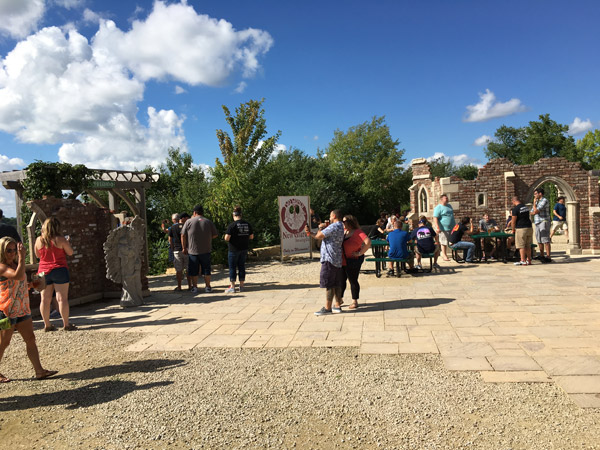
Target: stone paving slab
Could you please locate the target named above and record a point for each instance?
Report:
(549, 332)
(516, 377)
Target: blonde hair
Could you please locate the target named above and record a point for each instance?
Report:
(4, 243)
(50, 229)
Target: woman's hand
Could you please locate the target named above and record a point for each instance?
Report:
(21, 250)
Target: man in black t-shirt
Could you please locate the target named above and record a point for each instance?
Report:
(180, 260)
(238, 236)
(456, 236)
(521, 227)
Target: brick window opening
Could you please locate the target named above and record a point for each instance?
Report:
(481, 199)
(423, 201)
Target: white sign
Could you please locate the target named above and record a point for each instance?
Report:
(294, 215)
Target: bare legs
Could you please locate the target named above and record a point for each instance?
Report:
(46, 299)
(25, 328)
(330, 293)
(62, 296)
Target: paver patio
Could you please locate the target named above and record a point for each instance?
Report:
(514, 324)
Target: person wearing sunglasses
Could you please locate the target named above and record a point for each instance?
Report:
(15, 312)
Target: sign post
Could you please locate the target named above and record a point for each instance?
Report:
(294, 215)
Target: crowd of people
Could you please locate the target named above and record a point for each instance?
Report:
(344, 244)
(190, 247)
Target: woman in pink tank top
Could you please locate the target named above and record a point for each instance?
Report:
(15, 313)
(52, 249)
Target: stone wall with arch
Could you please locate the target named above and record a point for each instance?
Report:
(499, 180)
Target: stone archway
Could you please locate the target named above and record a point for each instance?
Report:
(572, 203)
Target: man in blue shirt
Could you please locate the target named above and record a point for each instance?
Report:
(398, 240)
(559, 218)
(443, 219)
(332, 238)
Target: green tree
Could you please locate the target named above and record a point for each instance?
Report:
(444, 167)
(589, 147)
(541, 139)
(181, 185)
(467, 171)
(369, 159)
(236, 179)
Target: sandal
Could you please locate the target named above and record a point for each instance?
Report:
(70, 327)
(177, 289)
(50, 328)
(4, 379)
(46, 374)
(354, 305)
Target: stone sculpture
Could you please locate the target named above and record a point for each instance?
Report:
(123, 255)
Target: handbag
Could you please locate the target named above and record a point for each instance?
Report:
(5, 323)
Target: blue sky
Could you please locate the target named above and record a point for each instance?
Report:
(118, 82)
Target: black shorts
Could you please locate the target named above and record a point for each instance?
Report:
(331, 276)
(58, 276)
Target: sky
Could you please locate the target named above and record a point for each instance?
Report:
(113, 84)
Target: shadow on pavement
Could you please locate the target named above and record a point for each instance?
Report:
(404, 304)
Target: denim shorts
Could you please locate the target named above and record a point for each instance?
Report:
(15, 320)
(199, 264)
(58, 276)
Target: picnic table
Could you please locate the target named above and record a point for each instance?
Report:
(380, 257)
(501, 252)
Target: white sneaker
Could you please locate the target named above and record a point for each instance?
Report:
(521, 263)
(230, 290)
(418, 266)
(194, 290)
(208, 289)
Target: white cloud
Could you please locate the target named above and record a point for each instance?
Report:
(7, 163)
(7, 197)
(69, 4)
(580, 126)
(488, 108)
(90, 16)
(457, 160)
(128, 145)
(19, 18)
(482, 140)
(179, 90)
(8, 204)
(241, 87)
(315, 138)
(58, 88)
(176, 42)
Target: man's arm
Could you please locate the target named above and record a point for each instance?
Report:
(513, 224)
(470, 230)
(184, 243)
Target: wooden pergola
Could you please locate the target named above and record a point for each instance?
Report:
(128, 186)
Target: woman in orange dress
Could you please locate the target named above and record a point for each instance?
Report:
(15, 313)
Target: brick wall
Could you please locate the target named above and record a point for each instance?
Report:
(88, 226)
(500, 179)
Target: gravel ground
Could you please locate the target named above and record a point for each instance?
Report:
(314, 398)
(269, 398)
